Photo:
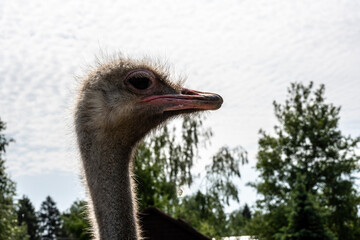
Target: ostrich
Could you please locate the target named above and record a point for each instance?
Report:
(118, 104)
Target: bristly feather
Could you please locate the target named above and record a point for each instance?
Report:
(107, 62)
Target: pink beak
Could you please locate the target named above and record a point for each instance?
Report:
(186, 100)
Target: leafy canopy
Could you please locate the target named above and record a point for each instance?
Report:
(164, 163)
(308, 141)
(75, 221)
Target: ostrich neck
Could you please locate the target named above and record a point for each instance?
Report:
(108, 171)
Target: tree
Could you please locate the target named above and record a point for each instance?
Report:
(9, 228)
(26, 215)
(205, 210)
(75, 221)
(305, 219)
(50, 220)
(246, 213)
(307, 141)
(164, 164)
(237, 221)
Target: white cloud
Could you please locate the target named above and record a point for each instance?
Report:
(248, 51)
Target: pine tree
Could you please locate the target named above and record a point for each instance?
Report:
(27, 215)
(50, 220)
(305, 219)
(246, 213)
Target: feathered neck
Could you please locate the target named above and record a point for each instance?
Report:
(108, 175)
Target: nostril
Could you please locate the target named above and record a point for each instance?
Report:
(188, 92)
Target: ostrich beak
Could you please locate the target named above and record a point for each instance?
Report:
(186, 100)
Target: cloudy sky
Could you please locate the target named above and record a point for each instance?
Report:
(248, 51)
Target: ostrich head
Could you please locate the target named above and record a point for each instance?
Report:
(119, 103)
(128, 98)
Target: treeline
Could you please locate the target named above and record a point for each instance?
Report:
(163, 167)
(49, 223)
(20, 221)
(73, 224)
(306, 184)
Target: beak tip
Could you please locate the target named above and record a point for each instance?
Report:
(218, 99)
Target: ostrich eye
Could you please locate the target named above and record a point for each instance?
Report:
(140, 83)
(140, 80)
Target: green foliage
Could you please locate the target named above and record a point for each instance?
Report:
(246, 213)
(49, 219)
(75, 221)
(220, 175)
(305, 219)
(26, 215)
(307, 141)
(237, 221)
(201, 211)
(9, 228)
(164, 163)
(205, 210)
(264, 225)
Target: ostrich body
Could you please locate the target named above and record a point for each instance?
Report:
(118, 104)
